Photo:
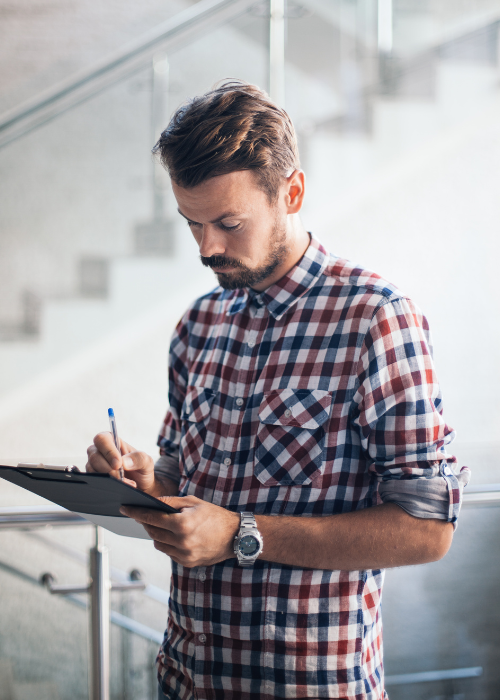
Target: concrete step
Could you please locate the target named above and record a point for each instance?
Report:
(342, 165)
(68, 326)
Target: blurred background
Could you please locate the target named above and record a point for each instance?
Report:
(397, 108)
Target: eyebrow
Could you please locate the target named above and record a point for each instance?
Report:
(225, 215)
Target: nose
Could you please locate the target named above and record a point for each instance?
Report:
(211, 241)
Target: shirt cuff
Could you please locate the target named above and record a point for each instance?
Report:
(168, 466)
(439, 497)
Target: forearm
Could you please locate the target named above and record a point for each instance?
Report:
(374, 538)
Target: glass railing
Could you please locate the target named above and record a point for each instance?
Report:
(52, 643)
(396, 110)
(440, 620)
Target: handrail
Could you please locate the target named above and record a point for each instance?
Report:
(160, 595)
(120, 620)
(482, 495)
(27, 517)
(433, 676)
(121, 64)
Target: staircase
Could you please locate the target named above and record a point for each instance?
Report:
(388, 147)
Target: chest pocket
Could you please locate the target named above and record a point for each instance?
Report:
(290, 437)
(195, 419)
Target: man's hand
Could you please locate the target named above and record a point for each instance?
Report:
(104, 458)
(200, 535)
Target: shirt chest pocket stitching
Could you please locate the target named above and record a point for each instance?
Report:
(299, 408)
(291, 435)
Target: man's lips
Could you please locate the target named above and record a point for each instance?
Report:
(223, 269)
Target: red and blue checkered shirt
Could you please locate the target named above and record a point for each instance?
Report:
(307, 399)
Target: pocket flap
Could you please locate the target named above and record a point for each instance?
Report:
(197, 404)
(298, 408)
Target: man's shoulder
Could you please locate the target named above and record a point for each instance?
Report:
(210, 306)
(355, 280)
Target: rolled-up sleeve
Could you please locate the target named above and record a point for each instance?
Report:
(399, 415)
(168, 466)
(170, 431)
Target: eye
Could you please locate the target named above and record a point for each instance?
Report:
(192, 223)
(229, 228)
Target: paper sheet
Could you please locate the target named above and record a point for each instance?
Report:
(120, 526)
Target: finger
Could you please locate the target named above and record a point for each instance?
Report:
(180, 502)
(116, 475)
(138, 462)
(106, 447)
(159, 534)
(178, 556)
(169, 550)
(99, 463)
(146, 516)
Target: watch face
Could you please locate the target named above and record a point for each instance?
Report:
(248, 545)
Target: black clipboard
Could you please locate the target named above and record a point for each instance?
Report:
(96, 497)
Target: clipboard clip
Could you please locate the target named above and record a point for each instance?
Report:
(58, 467)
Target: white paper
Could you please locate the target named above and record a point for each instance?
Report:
(120, 526)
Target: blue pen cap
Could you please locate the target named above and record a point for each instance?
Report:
(111, 413)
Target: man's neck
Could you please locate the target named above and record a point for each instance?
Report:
(298, 241)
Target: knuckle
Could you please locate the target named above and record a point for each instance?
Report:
(183, 529)
(99, 439)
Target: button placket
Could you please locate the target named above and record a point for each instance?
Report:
(247, 360)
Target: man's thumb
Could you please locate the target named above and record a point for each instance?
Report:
(138, 461)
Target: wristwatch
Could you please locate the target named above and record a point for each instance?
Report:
(248, 542)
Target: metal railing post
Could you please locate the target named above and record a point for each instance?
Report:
(277, 52)
(99, 618)
(159, 114)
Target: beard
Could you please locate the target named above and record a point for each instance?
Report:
(243, 276)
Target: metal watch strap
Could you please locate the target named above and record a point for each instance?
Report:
(248, 524)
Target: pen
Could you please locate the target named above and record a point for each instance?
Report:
(114, 432)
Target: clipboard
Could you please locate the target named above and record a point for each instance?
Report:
(96, 497)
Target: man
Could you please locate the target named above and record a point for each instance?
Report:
(304, 443)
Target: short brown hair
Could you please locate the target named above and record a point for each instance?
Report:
(234, 126)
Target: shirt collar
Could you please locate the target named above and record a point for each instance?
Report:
(286, 292)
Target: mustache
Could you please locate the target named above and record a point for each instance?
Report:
(219, 261)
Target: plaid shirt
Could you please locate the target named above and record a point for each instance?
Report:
(299, 400)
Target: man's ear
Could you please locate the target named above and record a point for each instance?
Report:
(295, 190)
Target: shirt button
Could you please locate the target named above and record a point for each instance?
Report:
(227, 461)
(251, 343)
(239, 402)
(202, 577)
(202, 638)
(288, 413)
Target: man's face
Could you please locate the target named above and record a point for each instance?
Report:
(241, 236)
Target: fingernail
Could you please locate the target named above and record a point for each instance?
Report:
(127, 462)
(122, 511)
